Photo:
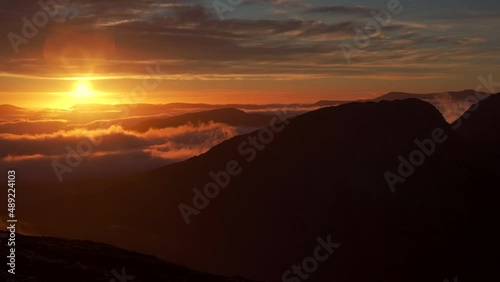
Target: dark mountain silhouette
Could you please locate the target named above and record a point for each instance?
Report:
(481, 123)
(429, 97)
(453, 95)
(391, 96)
(451, 104)
(45, 259)
(231, 117)
(322, 175)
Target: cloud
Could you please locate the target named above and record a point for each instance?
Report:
(108, 152)
(280, 3)
(189, 41)
(32, 127)
(358, 11)
(114, 138)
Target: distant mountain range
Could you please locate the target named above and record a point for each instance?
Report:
(392, 96)
(233, 117)
(323, 175)
(148, 108)
(45, 259)
(450, 104)
(8, 109)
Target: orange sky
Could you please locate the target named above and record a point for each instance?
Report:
(199, 58)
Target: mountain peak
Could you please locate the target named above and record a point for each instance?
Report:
(481, 123)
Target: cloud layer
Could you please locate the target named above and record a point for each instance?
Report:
(101, 152)
(119, 38)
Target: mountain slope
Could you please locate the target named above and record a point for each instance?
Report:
(45, 259)
(323, 175)
(481, 123)
(231, 117)
(451, 104)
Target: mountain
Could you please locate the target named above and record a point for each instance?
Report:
(451, 104)
(322, 178)
(233, 117)
(148, 109)
(328, 103)
(454, 95)
(391, 96)
(9, 109)
(8, 112)
(481, 123)
(45, 259)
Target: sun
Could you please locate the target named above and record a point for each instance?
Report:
(83, 89)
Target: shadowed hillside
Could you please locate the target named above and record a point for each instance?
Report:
(323, 175)
(45, 259)
(481, 123)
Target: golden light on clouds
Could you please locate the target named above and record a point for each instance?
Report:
(72, 46)
(83, 89)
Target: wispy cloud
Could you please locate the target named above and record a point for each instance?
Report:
(122, 151)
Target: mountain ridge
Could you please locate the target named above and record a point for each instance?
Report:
(481, 122)
(304, 184)
(229, 116)
(458, 94)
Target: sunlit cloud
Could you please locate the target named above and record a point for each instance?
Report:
(119, 150)
(110, 42)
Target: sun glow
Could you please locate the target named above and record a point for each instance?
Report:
(83, 89)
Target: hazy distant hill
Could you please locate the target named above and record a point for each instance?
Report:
(451, 104)
(9, 109)
(323, 175)
(148, 109)
(231, 117)
(401, 96)
(45, 259)
(328, 103)
(8, 112)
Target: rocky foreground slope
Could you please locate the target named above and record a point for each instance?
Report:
(45, 259)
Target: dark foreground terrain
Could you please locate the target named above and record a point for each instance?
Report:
(323, 174)
(45, 259)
